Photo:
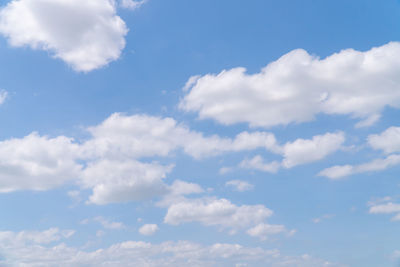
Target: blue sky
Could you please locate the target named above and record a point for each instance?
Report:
(199, 133)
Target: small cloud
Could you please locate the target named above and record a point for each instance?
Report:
(323, 218)
(3, 96)
(148, 229)
(239, 185)
(132, 4)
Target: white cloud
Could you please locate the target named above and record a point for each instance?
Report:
(304, 151)
(385, 206)
(257, 163)
(140, 254)
(85, 34)
(145, 136)
(298, 152)
(337, 172)
(33, 237)
(109, 224)
(240, 186)
(217, 212)
(123, 181)
(264, 230)
(388, 141)
(3, 96)
(148, 229)
(298, 86)
(132, 4)
(37, 163)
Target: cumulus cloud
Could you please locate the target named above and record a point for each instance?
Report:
(148, 229)
(299, 86)
(85, 34)
(240, 186)
(304, 151)
(145, 136)
(222, 213)
(123, 181)
(388, 141)
(298, 152)
(264, 230)
(37, 163)
(340, 171)
(137, 253)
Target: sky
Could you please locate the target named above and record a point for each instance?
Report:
(199, 133)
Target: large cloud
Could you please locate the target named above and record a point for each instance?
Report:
(85, 34)
(139, 254)
(145, 136)
(298, 86)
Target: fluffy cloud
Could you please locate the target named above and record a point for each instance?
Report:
(145, 136)
(85, 34)
(123, 181)
(298, 152)
(239, 185)
(148, 229)
(298, 86)
(137, 253)
(37, 163)
(388, 141)
(340, 171)
(221, 213)
(304, 151)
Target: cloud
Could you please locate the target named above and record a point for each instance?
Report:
(264, 230)
(115, 160)
(124, 181)
(3, 96)
(148, 229)
(145, 136)
(109, 224)
(298, 152)
(388, 141)
(137, 253)
(240, 186)
(38, 163)
(304, 151)
(25, 238)
(132, 4)
(211, 211)
(340, 171)
(299, 86)
(385, 206)
(257, 163)
(86, 35)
